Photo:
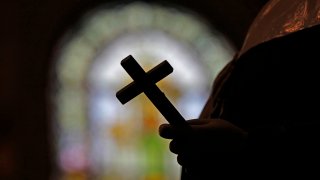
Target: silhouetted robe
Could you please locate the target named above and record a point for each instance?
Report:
(271, 90)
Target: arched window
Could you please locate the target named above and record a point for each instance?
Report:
(96, 136)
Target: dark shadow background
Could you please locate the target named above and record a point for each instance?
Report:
(29, 31)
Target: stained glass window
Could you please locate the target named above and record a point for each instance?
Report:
(96, 136)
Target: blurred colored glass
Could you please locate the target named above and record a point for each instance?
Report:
(96, 136)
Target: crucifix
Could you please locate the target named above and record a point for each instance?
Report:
(146, 83)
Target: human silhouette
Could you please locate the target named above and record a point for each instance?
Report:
(262, 118)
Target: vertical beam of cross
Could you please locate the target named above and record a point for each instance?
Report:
(146, 83)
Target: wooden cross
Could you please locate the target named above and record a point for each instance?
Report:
(146, 83)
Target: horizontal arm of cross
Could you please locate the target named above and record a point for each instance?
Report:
(155, 75)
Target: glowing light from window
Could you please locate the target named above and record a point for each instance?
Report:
(97, 137)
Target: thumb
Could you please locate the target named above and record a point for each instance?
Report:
(167, 131)
(201, 125)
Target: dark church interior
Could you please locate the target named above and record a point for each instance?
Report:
(31, 31)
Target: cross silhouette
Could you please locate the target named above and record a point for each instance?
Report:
(146, 83)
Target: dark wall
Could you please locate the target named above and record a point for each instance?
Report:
(29, 30)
